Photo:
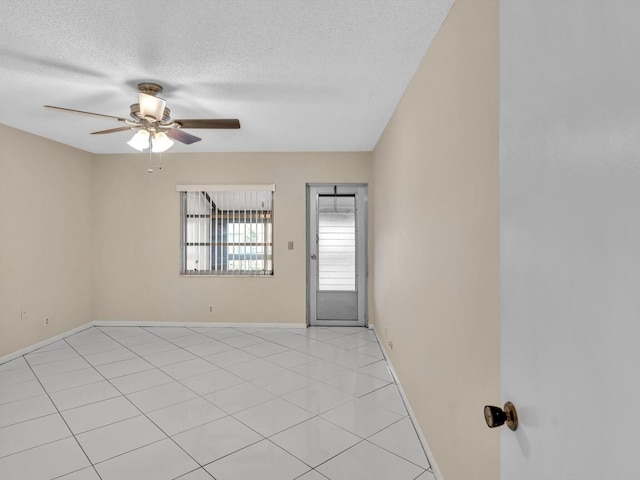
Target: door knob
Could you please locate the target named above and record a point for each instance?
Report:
(496, 416)
(313, 256)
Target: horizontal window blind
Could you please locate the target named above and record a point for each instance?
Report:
(336, 243)
(227, 229)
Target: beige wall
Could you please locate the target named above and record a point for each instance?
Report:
(46, 255)
(435, 241)
(137, 236)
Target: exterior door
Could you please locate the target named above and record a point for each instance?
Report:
(337, 254)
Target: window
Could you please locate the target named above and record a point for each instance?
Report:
(227, 229)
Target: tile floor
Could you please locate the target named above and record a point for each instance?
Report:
(119, 403)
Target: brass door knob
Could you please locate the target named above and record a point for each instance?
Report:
(496, 416)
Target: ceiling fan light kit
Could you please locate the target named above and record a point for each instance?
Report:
(160, 142)
(151, 119)
(140, 141)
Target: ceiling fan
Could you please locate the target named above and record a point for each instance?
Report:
(151, 119)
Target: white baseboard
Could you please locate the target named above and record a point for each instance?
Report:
(44, 343)
(115, 323)
(434, 466)
(125, 323)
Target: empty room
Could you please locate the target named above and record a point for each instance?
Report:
(323, 240)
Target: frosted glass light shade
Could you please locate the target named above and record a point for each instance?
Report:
(161, 143)
(140, 141)
(151, 107)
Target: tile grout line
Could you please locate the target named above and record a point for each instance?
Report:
(270, 340)
(64, 420)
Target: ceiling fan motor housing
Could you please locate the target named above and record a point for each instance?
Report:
(150, 88)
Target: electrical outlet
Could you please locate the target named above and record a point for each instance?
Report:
(23, 313)
(210, 308)
(45, 322)
(390, 345)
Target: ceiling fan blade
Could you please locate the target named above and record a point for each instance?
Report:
(182, 136)
(202, 123)
(90, 114)
(151, 106)
(113, 130)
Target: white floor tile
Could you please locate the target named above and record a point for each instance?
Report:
(90, 335)
(265, 349)
(263, 460)
(254, 368)
(92, 348)
(19, 362)
(63, 381)
(217, 332)
(209, 382)
(200, 474)
(361, 418)
(427, 476)
(242, 340)
(189, 368)
(229, 358)
(136, 382)
(387, 397)
(365, 461)
(124, 367)
(110, 356)
(231, 388)
(169, 357)
(190, 340)
(283, 382)
(21, 410)
(38, 357)
(122, 332)
(318, 398)
(88, 473)
(32, 433)
(60, 366)
(183, 416)
(273, 416)
(239, 397)
(319, 369)
(401, 438)
(349, 342)
(355, 383)
(315, 441)
(216, 439)
(16, 375)
(150, 348)
(83, 395)
(44, 462)
(161, 396)
(138, 339)
(53, 346)
(312, 475)
(372, 349)
(118, 438)
(99, 414)
(289, 358)
(211, 347)
(378, 369)
(169, 333)
(162, 460)
(20, 391)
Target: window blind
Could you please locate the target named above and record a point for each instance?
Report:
(227, 229)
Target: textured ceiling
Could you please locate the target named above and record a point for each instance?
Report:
(316, 75)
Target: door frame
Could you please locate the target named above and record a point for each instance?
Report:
(361, 190)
